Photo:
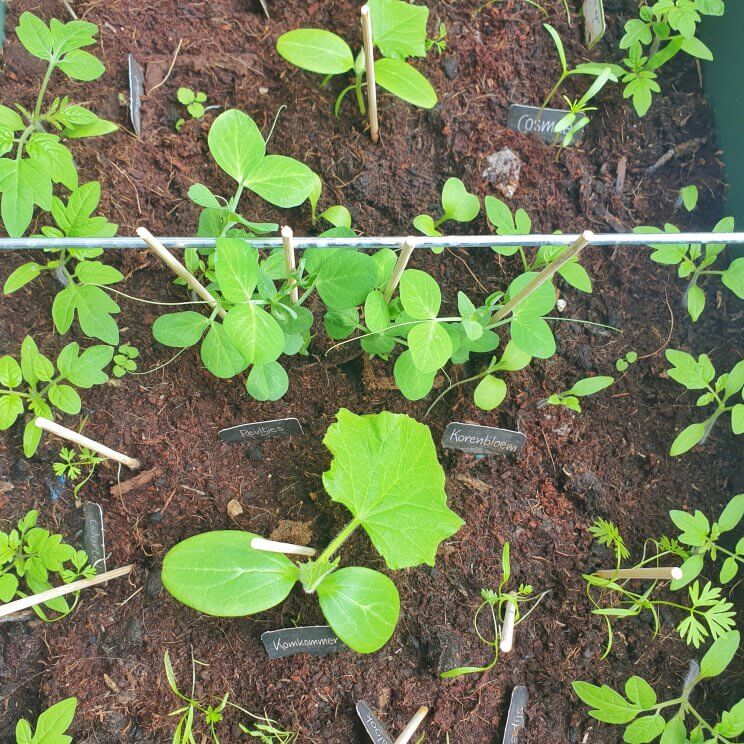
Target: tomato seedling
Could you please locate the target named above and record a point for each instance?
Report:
(51, 725)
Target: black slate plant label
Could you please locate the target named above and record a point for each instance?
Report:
(594, 21)
(261, 430)
(483, 440)
(317, 640)
(93, 539)
(372, 725)
(532, 120)
(515, 717)
(136, 92)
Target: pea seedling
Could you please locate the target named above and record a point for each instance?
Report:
(398, 32)
(458, 205)
(580, 389)
(194, 102)
(39, 158)
(31, 557)
(707, 614)
(701, 375)
(497, 603)
(641, 712)
(34, 386)
(51, 724)
(385, 471)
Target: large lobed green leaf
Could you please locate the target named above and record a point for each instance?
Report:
(399, 28)
(386, 472)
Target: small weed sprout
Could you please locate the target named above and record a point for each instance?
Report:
(496, 602)
(719, 391)
(194, 101)
(439, 42)
(622, 364)
(576, 119)
(580, 389)
(124, 360)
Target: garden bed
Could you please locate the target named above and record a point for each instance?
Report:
(609, 462)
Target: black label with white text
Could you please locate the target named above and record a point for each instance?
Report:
(483, 440)
(317, 640)
(515, 718)
(372, 725)
(541, 122)
(260, 430)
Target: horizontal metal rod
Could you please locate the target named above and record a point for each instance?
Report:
(449, 241)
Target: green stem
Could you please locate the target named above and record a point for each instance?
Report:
(8, 391)
(339, 540)
(553, 91)
(703, 722)
(359, 95)
(44, 86)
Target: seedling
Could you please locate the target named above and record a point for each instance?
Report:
(707, 615)
(720, 391)
(693, 262)
(662, 30)
(576, 118)
(31, 558)
(622, 364)
(641, 712)
(385, 471)
(34, 386)
(51, 725)
(580, 389)
(500, 603)
(194, 102)
(82, 295)
(458, 205)
(72, 464)
(439, 42)
(688, 197)
(704, 540)
(39, 158)
(398, 32)
(124, 360)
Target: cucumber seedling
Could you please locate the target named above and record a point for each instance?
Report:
(580, 389)
(31, 558)
(722, 392)
(398, 32)
(640, 710)
(39, 158)
(385, 471)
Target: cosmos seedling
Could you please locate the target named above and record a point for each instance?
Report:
(35, 386)
(723, 392)
(82, 296)
(580, 389)
(622, 364)
(31, 558)
(576, 119)
(194, 102)
(694, 262)
(38, 158)
(504, 609)
(640, 711)
(51, 725)
(707, 616)
(398, 32)
(385, 471)
(458, 205)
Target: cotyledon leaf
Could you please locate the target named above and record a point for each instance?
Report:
(219, 573)
(386, 472)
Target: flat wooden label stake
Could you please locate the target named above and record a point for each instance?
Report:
(290, 261)
(369, 65)
(412, 726)
(663, 573)
(272, 546)
(73, 436)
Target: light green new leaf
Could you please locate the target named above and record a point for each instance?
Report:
(420, 294)
(430, 346)
(413, 383)
(640, 692)
(346, 278)
(54, 721)
(219, 354)
(405, 82)
(644, 730)
(65, 398)
(376, 312)
(95, 272)
(10, 372)
(608, 706)
(24, 274)
(362, 607)
(730, 516)
(218, 573)
(236, 144)
(35, 36)
(282, 181)
(399, 28)
(81, 65)
(385, 471)
(489, 393)
(694, 375)
(11, 407)
(532, 335)
(458, 203)
(687, 439)
(316, 50)
(236, 267)
(255, 333)
(590, 385)
(733, 277)
(267, 381)
(719, 655)
(87, 369)
(180, 330)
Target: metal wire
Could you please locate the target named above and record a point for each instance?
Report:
(449, 241)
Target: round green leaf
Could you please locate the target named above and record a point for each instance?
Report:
(236, 268)
(406, 82)
(267, 381)
(316, 50)
(218, 573)
(236, 144)
(430, 346)
(10, 372)
(733, 277)
(345, 279)
(282, 181)
(376, 312)
(420, 294)
(362, 607)
(11, 407)
(180, 330)
(489, 393)
(414, 384)
(458, 203)
(219, 354)
(532, 335)
(255, 333)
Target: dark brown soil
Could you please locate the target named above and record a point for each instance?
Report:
(610, 462)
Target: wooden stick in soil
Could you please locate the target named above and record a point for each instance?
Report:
(545, 275)
(412, 726)
(369, 65)
(289, 261)
(664, 573)
(179, 269)
(272, 546)
(73, 436)
(507, 629)
(408, 247)
(60, 591)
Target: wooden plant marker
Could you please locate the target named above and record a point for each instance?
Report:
(412, 726)
(507, 629)
(664, 573)
(179, 269)
(272, 546)
(400, 266)
(60, 591)
(290, 261)
(369, 66)
(91, 444)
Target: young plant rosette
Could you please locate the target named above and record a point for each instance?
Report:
(386, 472)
